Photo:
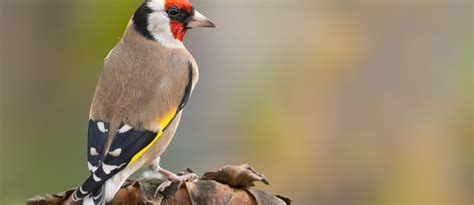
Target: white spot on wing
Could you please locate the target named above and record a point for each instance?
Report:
(125, 129)
(101, 127)
(116, 152)
(97, 179)
(109, 168)
(93, 151)
(92, 168)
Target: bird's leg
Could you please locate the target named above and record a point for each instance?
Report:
(155, 167)
(188, 177)
(172, 177)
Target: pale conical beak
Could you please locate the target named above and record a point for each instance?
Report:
(199, 20)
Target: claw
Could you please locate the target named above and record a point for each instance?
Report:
(180, 180)
(162, 188)
(189, 177)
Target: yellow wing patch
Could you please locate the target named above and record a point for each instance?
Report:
(166, 120)
(163, 124)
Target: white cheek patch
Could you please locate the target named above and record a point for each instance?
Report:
(159, 25)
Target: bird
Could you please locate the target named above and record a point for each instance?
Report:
(146, 81)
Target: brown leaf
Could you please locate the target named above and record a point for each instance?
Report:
(236, 176)
(264, 198)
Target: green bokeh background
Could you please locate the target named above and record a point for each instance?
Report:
(336, 102)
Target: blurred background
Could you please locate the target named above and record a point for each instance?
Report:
(336, 102)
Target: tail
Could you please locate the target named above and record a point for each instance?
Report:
(94, 185)
(89, 188)
(95, 199)
(91, 200)
(98, 196)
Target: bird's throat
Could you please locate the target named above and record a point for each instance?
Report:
(178, 30)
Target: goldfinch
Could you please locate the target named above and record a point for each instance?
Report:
(147, 79)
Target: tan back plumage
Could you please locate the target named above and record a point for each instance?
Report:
(141, 83)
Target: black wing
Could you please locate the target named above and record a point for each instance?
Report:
(123, 148)
(96, 138)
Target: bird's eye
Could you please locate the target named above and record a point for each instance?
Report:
(173, 12)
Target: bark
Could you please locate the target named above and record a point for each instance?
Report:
(229, 185)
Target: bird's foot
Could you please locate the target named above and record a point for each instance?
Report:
(189, 176)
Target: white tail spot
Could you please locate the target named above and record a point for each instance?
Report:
(82, 191)
(97, 179)
(98, 196)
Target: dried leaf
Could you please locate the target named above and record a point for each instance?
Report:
(264, 198)
(236, 176)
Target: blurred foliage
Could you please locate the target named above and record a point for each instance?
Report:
(349, 102)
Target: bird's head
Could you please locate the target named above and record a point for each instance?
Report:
(167, 21)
